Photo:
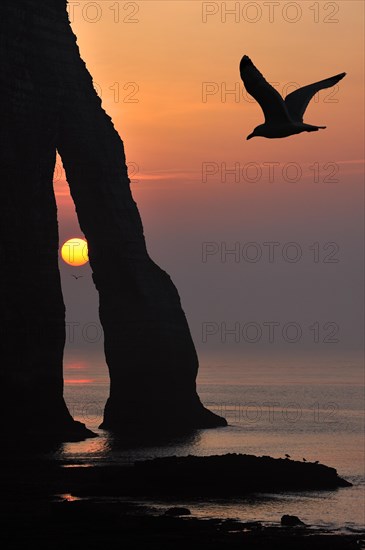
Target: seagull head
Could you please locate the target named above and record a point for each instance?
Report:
(256, 132)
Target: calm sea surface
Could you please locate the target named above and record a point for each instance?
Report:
(311, 410)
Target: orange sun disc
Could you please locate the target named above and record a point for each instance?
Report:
(74, 252)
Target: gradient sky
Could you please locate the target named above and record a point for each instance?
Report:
(306, 189)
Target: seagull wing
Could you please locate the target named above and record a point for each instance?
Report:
(268, 98)
(298, 101)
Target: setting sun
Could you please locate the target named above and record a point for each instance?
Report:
(74, 252)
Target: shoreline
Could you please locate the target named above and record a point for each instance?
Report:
(159, 507)
(51, 503)
(95, 524)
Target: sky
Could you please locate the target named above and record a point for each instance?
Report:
(263, 238)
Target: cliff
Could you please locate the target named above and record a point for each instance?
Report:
(48, 103)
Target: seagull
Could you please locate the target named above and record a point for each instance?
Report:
(77, 276)
(283, 118)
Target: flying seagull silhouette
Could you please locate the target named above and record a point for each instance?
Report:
(283, 118)
(77, 276)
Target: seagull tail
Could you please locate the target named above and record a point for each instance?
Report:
(312, 128)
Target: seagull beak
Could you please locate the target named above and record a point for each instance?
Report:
(250, 136)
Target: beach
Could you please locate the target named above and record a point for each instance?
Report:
(34, 508)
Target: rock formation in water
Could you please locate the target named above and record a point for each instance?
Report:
(48, 102)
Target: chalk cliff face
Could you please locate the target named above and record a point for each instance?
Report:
(32, 312)
(48, 102)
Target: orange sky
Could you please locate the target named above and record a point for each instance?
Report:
(169, 132)
(168, 55)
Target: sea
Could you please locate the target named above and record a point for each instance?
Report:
(311, 409)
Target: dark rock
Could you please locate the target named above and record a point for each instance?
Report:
(48, 102)
(234, 474)
(178, 511)
(190, 477)
(291, 521)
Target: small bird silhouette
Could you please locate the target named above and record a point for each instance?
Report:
(287, 456)
(77, 276)
(283, 118)
(304, 460)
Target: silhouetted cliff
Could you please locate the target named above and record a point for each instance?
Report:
(48, 102)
